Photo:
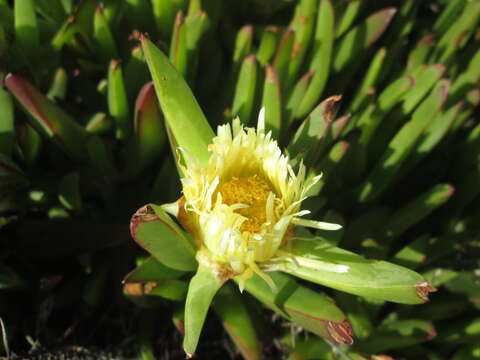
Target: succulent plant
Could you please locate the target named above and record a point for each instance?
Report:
(379, 99)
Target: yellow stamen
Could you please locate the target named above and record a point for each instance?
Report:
(252, 191)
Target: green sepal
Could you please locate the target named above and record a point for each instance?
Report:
(153, 229)
(201, 290)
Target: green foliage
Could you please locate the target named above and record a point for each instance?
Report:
(379, 97)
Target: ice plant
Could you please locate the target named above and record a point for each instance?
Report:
(242, 206)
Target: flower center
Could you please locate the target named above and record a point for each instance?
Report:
(252, 191)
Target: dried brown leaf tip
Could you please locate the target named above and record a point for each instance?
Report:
(341, 332)
(331, 106)
(423, 290)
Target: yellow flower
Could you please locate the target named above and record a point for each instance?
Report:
(242, 206)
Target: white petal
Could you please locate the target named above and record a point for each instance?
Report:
(316, 224)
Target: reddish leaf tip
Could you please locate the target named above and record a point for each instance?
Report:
(271, 75)
(247, 29)
(307, 77)
(389, 13)
(431, 332)
(144, 214)
(411, 81)
(179, 18)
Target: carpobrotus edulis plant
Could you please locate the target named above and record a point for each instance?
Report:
(241, 211)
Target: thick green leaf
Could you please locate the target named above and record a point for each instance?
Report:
(303, 25)
(149, 131)
(182, 112)
(118, 102)
(48, 118)
(458, 33)
(348, 17)
(398, 334)
(401, 145)
(243, 46)
(466, 81)
(26, 28)
(318, 261)
(153, 229)
(81, 22)
(417, 209)
(238, 322)
(425, 79)
(7, 135)
(151, 270)
(370, 80)
(327, 166)
(201, 290)
(244, 98)
(102, 34)
(448, 15)
(268, 44)
(311, 310)
(197, 24)
(136, 73)
(314, 134)
(439, 276)
(178, 46)
(360, 38)
(296, 97)
(29, 142)
(282, 56)
(320, 64)
(420, 52)
(58, 88)
(164, 15)
(357, 314)
(99, 123)
(272, 103)
(69, 191)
